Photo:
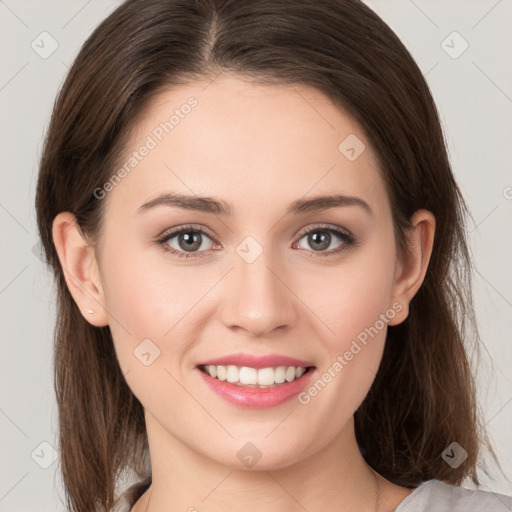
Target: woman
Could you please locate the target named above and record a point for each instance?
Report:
(262, 266)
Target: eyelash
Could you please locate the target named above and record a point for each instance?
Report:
(347, 238)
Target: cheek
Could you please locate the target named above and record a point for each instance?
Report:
(351, 298)
(150, 305)
(146, 300)
(144, 288)
(356, 312)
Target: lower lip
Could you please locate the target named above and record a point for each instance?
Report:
(257, 398)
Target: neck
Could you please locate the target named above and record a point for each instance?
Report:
(183, 479)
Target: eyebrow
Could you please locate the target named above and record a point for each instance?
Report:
(218, 207)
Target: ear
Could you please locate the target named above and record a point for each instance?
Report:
(81, 271)
(410, 271)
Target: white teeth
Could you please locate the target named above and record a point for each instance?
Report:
(232, 374)
(265, 377)
(290, 374)
(252, 377)
(280, 375)
(221, 373)
(248, 375)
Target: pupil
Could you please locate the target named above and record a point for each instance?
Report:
(324, 239)
(192, 240)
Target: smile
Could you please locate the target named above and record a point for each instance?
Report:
(245, 376)
(253, 388)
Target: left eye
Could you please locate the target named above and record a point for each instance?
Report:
(323, 237)
(190, 241)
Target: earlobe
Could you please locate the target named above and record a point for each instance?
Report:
(81, 271)
(411, 270)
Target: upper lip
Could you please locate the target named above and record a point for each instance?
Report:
(254, 361)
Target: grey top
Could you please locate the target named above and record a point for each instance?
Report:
(430, 496)
(437, 496)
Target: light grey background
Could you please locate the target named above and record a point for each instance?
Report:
(474, 95)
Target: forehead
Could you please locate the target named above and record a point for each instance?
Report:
(257, 146)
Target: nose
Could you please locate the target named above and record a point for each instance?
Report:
(258, 297)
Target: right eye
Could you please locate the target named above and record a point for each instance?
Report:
(188, 241)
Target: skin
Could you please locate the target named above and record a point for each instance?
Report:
(259, 148)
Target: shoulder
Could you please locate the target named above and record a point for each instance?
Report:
(442, 497)
(129, 497)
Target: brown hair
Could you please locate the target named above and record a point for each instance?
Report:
(423, 397)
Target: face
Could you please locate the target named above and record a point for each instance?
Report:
(260, 279)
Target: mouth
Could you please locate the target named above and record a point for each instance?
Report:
(255, 388)
(261, 378)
